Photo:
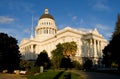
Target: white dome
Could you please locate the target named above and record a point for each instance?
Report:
(46, 23)
(46, 26)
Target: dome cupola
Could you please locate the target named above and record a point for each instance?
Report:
(46, 26)
(46, 15)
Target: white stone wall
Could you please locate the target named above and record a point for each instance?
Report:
(47, 36)
(87, 46)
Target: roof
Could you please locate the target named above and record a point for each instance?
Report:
(46, 16)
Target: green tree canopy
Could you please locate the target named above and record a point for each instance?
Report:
(63, 52)
(70, 48)
(9, 53)
(43, 60)
(57, 55)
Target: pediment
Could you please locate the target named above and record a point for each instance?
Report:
(95, 31)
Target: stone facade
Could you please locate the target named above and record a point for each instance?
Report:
(47, 36)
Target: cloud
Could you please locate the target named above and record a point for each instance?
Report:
(61, 26)
(21, 6)
(5, 20)
(109, 35)
(105, 30)
(74, 17)
(99, 5)
(85, 29)
(81, 21)
(12, 32)
(18, 34)
(6, 30)
(102, 27)
(28, 30)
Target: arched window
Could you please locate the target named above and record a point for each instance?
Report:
(44, 23)
(55, 31)
(49, 31)
(46, 31)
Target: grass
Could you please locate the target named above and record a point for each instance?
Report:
(58, 74)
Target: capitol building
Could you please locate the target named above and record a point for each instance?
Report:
(47, 36)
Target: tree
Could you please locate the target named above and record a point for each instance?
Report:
(70, 49)
(26, 65)
(66, 63)
(57, 55)
(9, 53)
(43, 60)
(117, 28)
(111, 51)
(107, 56)
(63, 54)
(88, 64)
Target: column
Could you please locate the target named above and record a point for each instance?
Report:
(98, 51)
(31, 48)
(91, 48)
(54, 31)
(95, 52)
(88, 53)
(42, 30)
(48, 30)
(87, 49)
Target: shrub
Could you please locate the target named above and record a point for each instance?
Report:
(88, 64)
(33, 70)
(77, 65)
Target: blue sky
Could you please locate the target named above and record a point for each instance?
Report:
(16, 15)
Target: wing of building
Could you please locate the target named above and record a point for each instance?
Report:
(47, 36)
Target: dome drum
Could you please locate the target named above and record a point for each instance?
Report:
(46, 30)
(46, 25)
(46, 22)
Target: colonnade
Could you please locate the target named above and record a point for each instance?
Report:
(28, 48)
(28, 51)
(46, 31)
(94, 48)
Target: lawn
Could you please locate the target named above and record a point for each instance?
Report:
(58, 74)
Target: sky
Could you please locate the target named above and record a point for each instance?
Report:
(16, 15)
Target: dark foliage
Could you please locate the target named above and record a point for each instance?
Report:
(9, 53)
(111, 53)
(77, 65)
(107, 56)
(26, 65)
(88, 64)
(43, 60)
(66, 63)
